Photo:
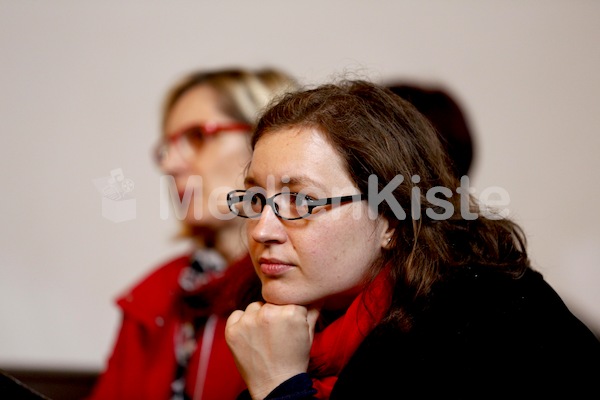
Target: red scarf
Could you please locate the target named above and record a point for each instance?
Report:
(333, 347)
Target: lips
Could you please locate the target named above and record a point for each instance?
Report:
(273, 267)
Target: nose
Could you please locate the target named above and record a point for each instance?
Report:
(268, 228)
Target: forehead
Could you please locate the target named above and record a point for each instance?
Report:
(298, 156)
(199, 104)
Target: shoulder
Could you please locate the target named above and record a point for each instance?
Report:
(165, 276)
(481, 304)
(480, 329)
(485, 296)
(154, 292)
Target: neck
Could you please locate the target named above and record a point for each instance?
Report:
(230, 243)
(227, 241)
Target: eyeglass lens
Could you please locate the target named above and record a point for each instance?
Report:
(186, 143)
(285, 205)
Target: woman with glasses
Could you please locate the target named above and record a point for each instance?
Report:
(381, 276)
(171, 343)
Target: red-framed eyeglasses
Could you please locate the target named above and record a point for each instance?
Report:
(190, 139)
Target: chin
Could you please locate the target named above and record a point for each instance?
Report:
(275, 298)
(270, 295)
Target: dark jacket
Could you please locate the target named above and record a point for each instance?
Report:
(481, 334)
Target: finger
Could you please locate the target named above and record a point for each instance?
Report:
(254, 307)
(234, 317)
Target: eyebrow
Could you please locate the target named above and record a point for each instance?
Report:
(303, 181)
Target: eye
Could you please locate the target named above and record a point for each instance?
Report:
(300, 199)
(256, 201)
(194, 136)
(300, 203)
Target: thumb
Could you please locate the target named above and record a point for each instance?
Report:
(311, 318)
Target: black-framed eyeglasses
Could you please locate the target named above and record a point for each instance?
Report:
(286, 205)
(190, 139)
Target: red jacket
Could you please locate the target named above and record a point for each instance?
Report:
(142, 364)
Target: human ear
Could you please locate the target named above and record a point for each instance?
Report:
(387, 234)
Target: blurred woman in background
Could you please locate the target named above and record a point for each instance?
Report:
(171, 340)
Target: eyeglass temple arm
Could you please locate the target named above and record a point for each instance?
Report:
(331, 200)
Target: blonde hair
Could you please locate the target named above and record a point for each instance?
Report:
(243, 94)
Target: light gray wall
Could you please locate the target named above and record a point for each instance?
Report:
(80, 92)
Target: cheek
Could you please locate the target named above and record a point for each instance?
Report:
(326, 250)
(352, 249)
(228, 166)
